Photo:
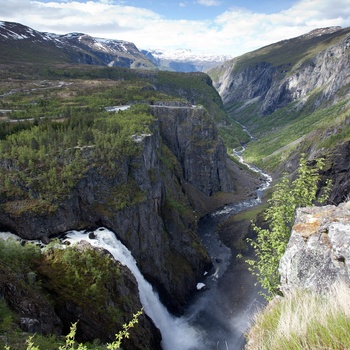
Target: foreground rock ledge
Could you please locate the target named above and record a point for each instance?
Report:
(318, 253)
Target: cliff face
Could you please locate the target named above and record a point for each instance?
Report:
(317, 255)
(195, 142)
(158, 224)
(272, 77)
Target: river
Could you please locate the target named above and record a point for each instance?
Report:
(221, 311)
(224, 312)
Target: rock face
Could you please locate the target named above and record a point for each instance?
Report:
(195, 142)
(339, 173)
(36, 314)
(159, 227)
(274, 76)
(318, 252)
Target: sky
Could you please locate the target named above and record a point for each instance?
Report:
(205, 26)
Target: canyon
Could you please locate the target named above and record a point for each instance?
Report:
(154, 193)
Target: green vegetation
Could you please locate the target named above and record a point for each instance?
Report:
(56, 129)
(233, 135)
(70, 342)
(81, 276)
(304, 320)
(283, 132)
(47, 160)
(271, 243)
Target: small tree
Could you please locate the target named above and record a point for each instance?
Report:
(271, 243)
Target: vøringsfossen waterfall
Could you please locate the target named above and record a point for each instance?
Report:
(176, 332)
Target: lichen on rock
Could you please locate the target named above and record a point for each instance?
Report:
(317, 255)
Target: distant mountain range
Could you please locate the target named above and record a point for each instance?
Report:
(184, 60)
(20, 44)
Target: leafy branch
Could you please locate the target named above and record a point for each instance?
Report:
(271, 243)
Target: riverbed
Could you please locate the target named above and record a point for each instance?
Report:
(225, 310)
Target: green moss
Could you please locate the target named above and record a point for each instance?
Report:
(38, 206)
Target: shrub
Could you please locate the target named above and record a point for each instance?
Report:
(271, 243)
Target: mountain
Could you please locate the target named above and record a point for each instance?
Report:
(294, 97)
(183, 60)
(20, 43)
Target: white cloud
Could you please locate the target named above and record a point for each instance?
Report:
(233, 32)
(208, 2)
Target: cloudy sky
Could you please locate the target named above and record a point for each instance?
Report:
(218, 26)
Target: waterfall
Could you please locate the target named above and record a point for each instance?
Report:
(177, 334)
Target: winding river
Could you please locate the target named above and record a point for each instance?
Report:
(224, 311)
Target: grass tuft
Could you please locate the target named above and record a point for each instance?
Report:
(303, 321)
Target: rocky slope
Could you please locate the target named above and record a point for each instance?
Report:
(20, 43)
(276, 75)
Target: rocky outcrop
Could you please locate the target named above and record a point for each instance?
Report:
(317, 255)
(194, 140)
(157, 223)
(36, 314)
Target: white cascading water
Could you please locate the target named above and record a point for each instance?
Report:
(177, 334)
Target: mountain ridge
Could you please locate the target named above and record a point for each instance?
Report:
(20, 43)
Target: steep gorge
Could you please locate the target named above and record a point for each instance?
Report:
(160, 229)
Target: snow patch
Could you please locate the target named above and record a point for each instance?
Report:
(187, 55)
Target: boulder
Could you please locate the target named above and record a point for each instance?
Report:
(318, 254)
